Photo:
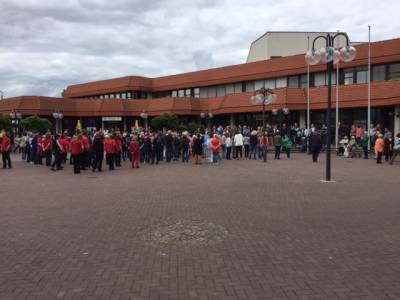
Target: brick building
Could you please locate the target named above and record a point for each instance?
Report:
(222, 95)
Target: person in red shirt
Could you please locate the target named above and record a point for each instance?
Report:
(5, 151)
(118, 154)
(39, 152)
(215, 148)
(47, 149)
(110, 148)
(65, 145)
(134, 148)
(76, 152)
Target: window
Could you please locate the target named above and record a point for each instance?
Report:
(212, 91)
(348, 77)
(394, 71)
(181, 93)
(196, 92)
(101, 96)
(112, 96)
(333, 77)
(203, 92)
(319, 79)
(187, 93)
(303, 81)
(230, 88)
(238, 87)
(174, 94)
(221, 91)
(378, 73)
(270, 83)
(129, 95)
(281, 82)
(123, 95)
(362, 76)
(293, 82)
(107, 96)
(258, 84)
(249, 86)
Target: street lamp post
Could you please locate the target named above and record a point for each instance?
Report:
(144, 116)
(330, 56)
(264, 96)
(1, 95)
(15, 118)
(58, 117)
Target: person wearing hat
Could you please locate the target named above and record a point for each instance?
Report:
(5, 150)
(134, 148)
(379, 147)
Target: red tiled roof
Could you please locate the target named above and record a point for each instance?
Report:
(383, 93)
(382, 51)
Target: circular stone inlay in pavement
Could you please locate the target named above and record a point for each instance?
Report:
(184, 232)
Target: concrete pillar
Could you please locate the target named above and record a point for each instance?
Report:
(396, 128)
(232, 120)
(303, 119)
(124, 120)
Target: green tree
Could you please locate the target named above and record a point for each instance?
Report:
(5, 122)
(169, 122)
(36, 124)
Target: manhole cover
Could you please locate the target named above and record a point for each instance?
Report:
(184, 232)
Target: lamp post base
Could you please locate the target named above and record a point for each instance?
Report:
(327, 181)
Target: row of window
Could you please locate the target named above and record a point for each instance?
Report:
(123, 95)
(346, 77)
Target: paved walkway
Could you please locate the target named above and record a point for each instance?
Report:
(243, 230)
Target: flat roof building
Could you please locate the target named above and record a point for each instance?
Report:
(224, 93)
(275, 44)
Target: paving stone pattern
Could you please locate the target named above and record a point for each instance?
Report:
(285, 235)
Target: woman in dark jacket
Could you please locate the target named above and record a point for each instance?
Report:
(315, 145)
(197, 149)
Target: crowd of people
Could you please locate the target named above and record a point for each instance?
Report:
(87, 150)
(356, 143)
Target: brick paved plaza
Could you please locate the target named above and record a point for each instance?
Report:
(280, 232)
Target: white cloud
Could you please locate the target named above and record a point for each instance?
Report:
(48, 44)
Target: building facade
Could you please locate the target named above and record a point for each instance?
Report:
(221, 96)
(276, 44)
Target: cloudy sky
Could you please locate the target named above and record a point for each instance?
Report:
(46, 45)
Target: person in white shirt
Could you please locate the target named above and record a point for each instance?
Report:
(228, 145)
(238, 139)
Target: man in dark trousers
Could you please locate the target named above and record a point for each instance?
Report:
(77, 150)
(5, 150)
(58, 150)
(169, 145)
(315, 145)
(98, 150)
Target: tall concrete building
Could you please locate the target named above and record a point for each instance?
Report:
(275, 44)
